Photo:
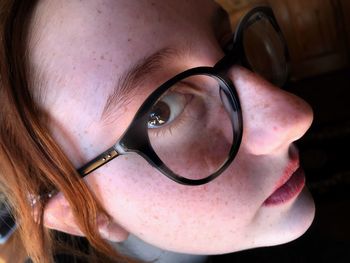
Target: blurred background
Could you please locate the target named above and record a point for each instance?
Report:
(318, 38)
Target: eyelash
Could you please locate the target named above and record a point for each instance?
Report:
(181, 119)
(184, 117)
(168, 129)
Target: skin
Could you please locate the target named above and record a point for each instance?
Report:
(81, 48)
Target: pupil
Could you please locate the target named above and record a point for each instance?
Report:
(160, 114)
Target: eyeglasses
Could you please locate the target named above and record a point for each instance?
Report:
(190, 128)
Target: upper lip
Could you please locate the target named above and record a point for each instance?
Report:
(291, 167)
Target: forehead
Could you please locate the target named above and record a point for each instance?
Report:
(79, 50)
(124, 26)
(75, 43)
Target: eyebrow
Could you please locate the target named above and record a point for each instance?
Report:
(133, 77)
(146, 67)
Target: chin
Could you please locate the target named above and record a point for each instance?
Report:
(297, 219)
(302, 213)
(284, 223)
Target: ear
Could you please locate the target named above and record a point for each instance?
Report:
(58, 215)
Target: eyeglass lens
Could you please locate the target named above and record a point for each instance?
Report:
(189, 127)
(265, 49)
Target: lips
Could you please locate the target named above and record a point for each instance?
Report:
(288, 172)
(288, 190)
(290, 184)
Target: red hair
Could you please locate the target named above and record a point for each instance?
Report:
(31, 163)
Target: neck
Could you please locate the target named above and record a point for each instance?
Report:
(134, 247)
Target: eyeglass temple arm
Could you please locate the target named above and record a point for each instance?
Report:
(8, 224)
(98, 161)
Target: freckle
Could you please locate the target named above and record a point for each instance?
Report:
(129, 39)
(110, 60)
(94, 59)
(99, 11)
(74, 68)
(109, 24)
(153, 4)
(102, 57)
(275, 128)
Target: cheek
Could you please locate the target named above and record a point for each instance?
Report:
(171, 215)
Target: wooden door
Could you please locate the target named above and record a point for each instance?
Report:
(317, 31)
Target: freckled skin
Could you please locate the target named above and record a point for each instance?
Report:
(223, 216)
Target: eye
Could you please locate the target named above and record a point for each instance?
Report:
(166, 110)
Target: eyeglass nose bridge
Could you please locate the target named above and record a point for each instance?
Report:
(233, 57)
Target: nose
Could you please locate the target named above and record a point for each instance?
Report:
(272, 117)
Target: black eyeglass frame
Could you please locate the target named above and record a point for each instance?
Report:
(135, 139)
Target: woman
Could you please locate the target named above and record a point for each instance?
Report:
(73, 76)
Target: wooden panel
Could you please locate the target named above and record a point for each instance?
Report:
(238, 8)
(315, 34)
(317, 31)
(232, 6)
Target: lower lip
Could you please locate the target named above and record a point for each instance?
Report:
(289, 190)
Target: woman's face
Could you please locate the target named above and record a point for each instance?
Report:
(82, 50)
